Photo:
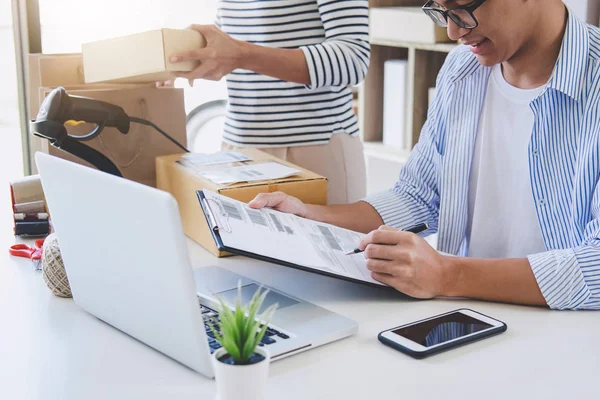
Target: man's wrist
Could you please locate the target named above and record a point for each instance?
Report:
(315, 212)
(454, 270)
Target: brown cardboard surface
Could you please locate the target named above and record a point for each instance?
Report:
(53, 70)
(141, 57)
(182, 182)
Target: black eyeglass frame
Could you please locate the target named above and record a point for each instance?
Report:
(427, 9)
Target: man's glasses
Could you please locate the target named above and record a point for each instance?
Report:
(461, 15)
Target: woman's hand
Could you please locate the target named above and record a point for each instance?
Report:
(407, 262)
(221, 55)
(281, 202)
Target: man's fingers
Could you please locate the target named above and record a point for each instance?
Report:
(267, 200)
(401, 285)
(379, 252)
(381, 266)
(379, 236)
(384, 278)
(388, 228)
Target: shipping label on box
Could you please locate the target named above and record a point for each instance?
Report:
(182, 180)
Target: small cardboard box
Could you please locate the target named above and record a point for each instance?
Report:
(405, 24)
(182, 182)
(142, 57)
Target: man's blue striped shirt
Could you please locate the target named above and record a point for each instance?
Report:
(564, 154)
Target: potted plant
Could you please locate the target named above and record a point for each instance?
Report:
(241, 366)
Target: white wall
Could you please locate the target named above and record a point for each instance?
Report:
(587, 10)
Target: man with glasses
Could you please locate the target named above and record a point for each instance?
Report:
(506, 168)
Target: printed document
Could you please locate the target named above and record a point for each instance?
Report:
(288, 238)
(223, 157)
(249, 173)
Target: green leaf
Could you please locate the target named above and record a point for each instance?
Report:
(240, 326)
(255, 304)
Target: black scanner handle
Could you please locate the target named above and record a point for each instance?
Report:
(90, 155)
(98, 112)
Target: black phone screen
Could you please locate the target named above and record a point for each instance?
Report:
(442, 329)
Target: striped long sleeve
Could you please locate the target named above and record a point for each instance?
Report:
(268, 112)
(570, 278)
(343, 58)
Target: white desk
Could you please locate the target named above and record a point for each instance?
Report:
(50, 349)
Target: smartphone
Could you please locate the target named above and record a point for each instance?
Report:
(433, 335)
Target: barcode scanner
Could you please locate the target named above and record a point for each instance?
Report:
(60, 109)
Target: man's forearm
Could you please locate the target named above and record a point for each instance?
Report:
(285, 64)
(504, 280)
(359, 216)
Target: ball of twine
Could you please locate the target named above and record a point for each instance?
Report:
(53, 268)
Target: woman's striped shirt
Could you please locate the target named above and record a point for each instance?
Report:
(334, 37)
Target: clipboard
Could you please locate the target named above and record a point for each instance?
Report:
(217, 225)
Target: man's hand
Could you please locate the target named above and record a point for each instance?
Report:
(281, 202)
(221, 55)
(407, 262)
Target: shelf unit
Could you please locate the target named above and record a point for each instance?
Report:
(424, 61)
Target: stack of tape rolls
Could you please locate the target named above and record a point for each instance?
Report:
(53, 268)
(29, 207)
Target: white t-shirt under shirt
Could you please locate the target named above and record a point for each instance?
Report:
(502, 216)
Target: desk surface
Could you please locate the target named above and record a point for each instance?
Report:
(51, 349)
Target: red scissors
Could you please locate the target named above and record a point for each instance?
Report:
(26, 251)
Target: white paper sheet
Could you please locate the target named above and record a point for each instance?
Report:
(288, 238)
(249, 173)
(224, 157)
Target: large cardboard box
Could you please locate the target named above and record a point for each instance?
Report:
(133, 153)
(182, 181)
(142, 57)
(53, 70)
(405, 24)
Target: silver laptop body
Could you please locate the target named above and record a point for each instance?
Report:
(127, 262)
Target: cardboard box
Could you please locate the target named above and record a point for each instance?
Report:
(405, 24)
(182, 182)
(138, 58)
(53, 70)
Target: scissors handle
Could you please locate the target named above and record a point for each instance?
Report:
(26, 251)
(21, 250)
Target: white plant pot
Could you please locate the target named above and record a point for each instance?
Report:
(241, 382)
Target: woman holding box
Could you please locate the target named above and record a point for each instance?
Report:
(288, 66)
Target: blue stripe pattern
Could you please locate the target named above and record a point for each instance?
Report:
(564, 153)
(334, 37)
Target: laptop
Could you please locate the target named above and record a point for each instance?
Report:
(126, 258)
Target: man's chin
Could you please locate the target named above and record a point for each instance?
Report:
(486, 61)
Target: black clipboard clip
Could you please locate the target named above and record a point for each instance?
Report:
(215, 223)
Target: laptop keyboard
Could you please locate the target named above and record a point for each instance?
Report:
(211, 318)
